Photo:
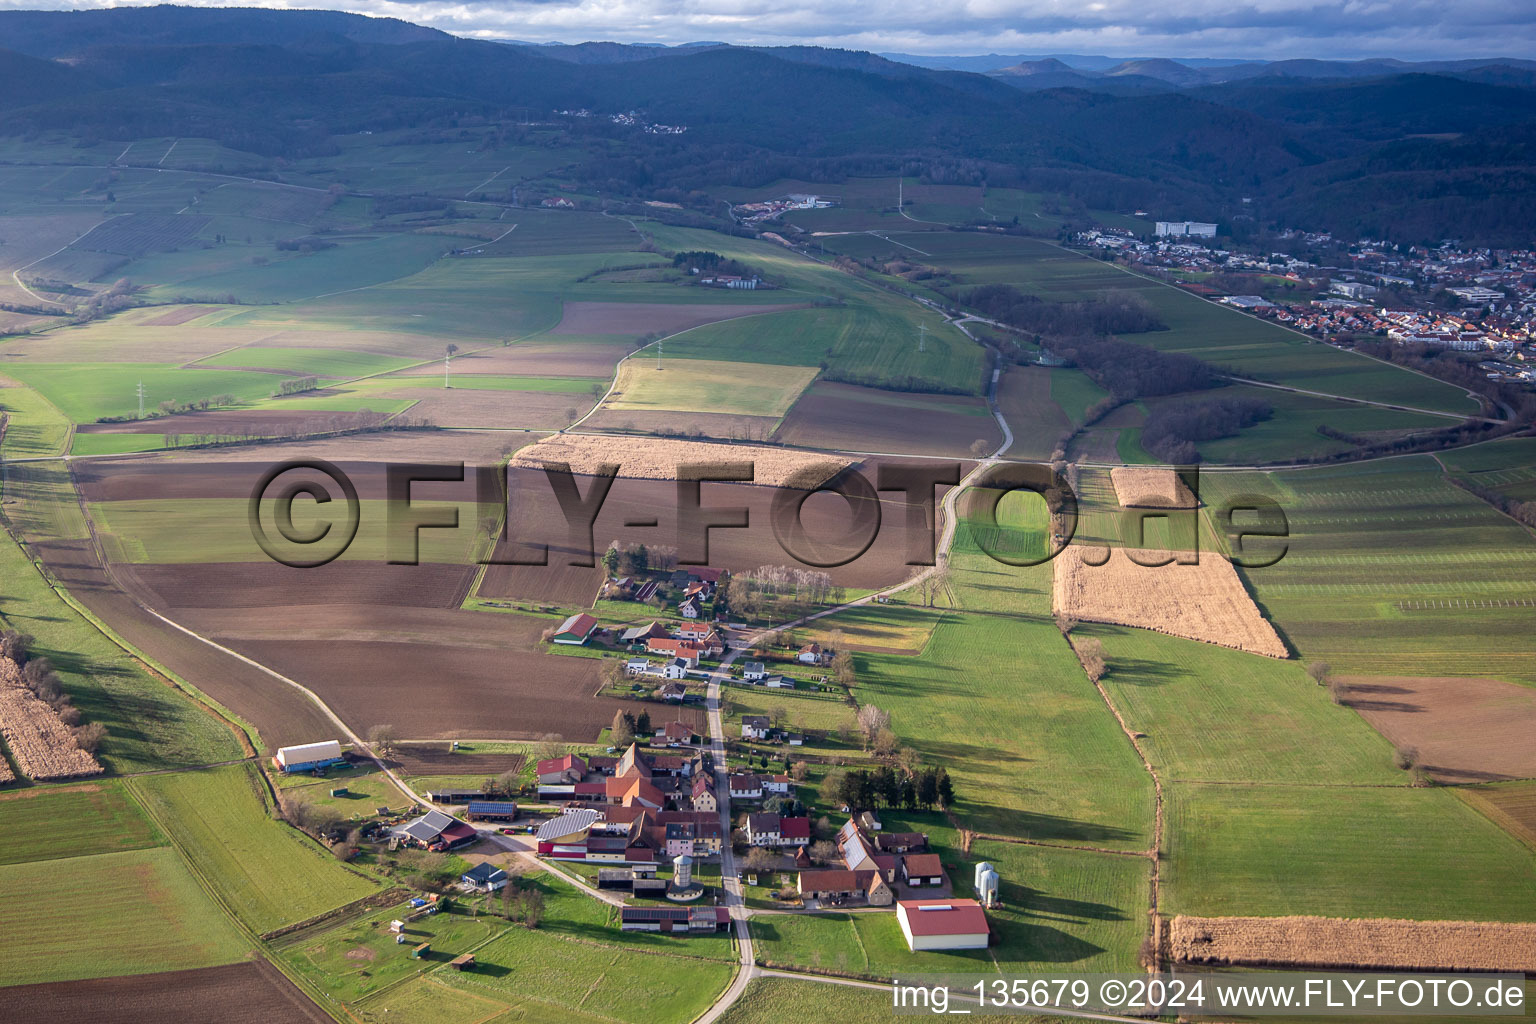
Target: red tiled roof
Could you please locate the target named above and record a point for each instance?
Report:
(944, 917)
(924, 865)
(795, 828)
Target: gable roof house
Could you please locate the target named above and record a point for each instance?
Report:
(755, 727)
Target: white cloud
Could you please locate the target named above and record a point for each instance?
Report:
(1410, 29)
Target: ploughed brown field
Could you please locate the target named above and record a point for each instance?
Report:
(233, 422)
(278, 711)
(851, 418)
(432, 673)
(1465, 730)
(1150, 487)
(269, 584)
(247, 993)
(647, 317)
(1512, 806)
(535, 359)
(1024, 396)
(419, 759)
(537, 521)
(1365, 944)
(1205, 601)
(493, 408)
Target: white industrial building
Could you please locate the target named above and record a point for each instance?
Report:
(1185, 229)
(308, 756)
(943, 924)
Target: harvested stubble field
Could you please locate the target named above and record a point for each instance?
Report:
(253, 992)
(1204, 601)
(1355, 943)
(1150, 487)
(1465, 730)
(649, 458)
(639, 318)
(707, 385)
(43, 746)
(710, 425)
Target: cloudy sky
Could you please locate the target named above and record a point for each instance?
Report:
(1409, 29)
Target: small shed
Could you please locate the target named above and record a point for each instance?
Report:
(421, 951)
(463, 962)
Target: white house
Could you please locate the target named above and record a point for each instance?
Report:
(746, 787)
(677, 668)
(755, 727)
(943, 924)
(752, 671)
(637, 667)
(810, 654)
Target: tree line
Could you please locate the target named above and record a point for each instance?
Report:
(1172, 431)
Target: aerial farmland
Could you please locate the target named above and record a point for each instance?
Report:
(501, 564)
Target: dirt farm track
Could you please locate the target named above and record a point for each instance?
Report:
(246, 993)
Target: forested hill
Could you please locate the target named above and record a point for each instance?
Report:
(1451, 150)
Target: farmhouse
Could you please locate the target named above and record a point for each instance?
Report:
(839, 885)
(575, 630)
(568, 769)
(677, 734)
(689, 607)
(484, 877)
(703, 797)
(673, 691)
(943, 924)
(810, 654)
(437, 831)
(688, 650)
(746, 787)
(777, 784)
(752, 671)
(755, 727)
(307, 757)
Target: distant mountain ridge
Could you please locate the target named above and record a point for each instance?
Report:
(1448, 147)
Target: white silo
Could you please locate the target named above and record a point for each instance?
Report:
(981, 870)
(682, 871)
(986, 889)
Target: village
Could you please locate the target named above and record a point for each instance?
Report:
(681, 827)
(1469, 300)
